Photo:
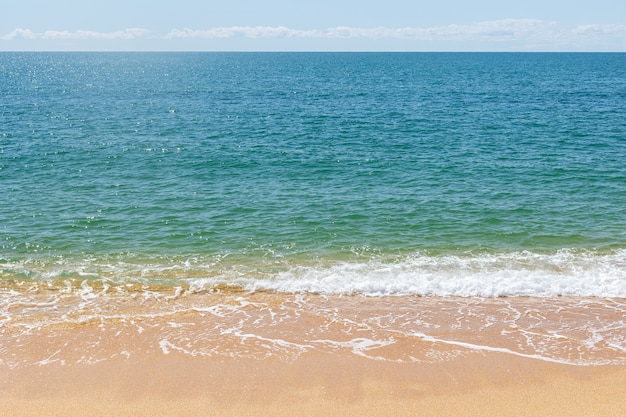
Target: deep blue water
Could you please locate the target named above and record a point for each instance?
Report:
(317, 166)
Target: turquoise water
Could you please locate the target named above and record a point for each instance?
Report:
(451, 173)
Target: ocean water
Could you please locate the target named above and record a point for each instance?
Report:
(452, 174)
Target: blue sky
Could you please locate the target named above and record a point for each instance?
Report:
(320, 25)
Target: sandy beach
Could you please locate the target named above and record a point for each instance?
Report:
(311, 355)
(314, 385)
(311, 231)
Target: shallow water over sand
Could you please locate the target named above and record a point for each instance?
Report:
(82, 326)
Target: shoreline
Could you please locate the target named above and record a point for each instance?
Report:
(246, 354)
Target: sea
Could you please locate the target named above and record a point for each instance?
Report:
(477, 176)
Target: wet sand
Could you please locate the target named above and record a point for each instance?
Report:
(237, 354)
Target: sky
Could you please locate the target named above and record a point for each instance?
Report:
(319, 25)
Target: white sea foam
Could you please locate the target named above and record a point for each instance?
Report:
(574, 273)
(486, 348)
(586, 273)
(359, 346)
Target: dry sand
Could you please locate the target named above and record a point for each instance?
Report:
(492, 384)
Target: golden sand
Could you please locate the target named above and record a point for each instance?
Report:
(292, 355)
(315, 385)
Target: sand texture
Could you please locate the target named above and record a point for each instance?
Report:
(240, 354)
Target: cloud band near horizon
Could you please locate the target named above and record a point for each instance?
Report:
(19, 33)
(503, 29)
(493, 31)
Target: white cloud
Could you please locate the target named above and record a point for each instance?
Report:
(245, 31)
(132, 33)
(19, 34)
(497, 30)
(503, 34)
(612, 30)
(507, 29)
